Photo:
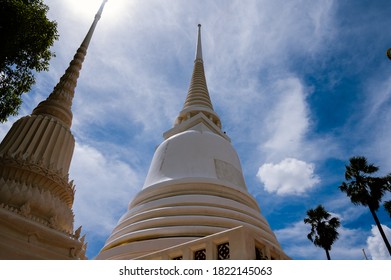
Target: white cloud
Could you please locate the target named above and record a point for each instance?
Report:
(288, 121)
(104, 187)
(136, 62)
(374, 118)
(295, 244)
(349, 244)
(288, 177)
(376, 247)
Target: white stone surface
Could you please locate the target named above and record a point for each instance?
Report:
(196, 153)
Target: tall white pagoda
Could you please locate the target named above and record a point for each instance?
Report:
(194, 203)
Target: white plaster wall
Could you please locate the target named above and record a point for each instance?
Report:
(195, 153)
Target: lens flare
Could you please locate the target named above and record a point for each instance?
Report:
(87, 8)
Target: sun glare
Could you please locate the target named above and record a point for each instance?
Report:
(88, 8)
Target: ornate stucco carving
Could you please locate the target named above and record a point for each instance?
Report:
(16, 168)
(36, 204)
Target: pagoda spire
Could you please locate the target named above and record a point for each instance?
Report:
(59, 102)
(36, 195)
(199, 45)
(198, 99)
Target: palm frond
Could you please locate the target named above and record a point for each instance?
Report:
(323, 231)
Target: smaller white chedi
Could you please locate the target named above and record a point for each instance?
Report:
(194, 203)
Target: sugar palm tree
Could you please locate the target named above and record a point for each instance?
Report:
(363, 189)
(323, 228)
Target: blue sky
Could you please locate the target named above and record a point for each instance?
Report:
(300, 87)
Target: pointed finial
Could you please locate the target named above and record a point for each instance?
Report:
(101, 8)
(199, 46)
(198, 99)
(98, 15)
(59, 102)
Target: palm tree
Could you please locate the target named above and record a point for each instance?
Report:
(323, 229)
(364, 189)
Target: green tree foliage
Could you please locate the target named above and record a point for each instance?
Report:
(26, 37)
(364, 189)
(323, 228)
